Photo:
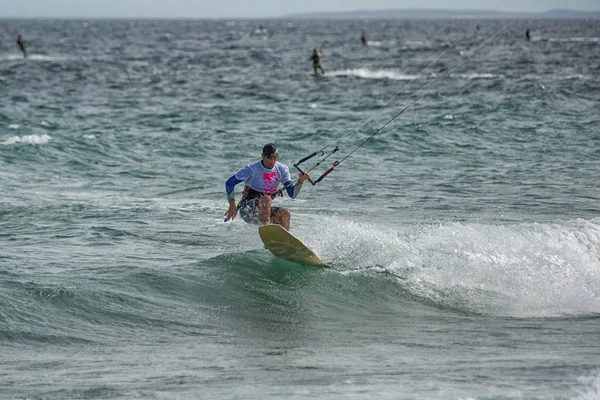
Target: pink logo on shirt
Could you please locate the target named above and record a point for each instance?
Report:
(271, 182)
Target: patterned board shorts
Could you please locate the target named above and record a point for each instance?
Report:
(249, 207)
(249, 211)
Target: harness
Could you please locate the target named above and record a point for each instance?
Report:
(251, 194)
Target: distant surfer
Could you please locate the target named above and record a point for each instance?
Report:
(262, 180)
(21, 46)
(363, 39)
(527, 37)
(316, 59)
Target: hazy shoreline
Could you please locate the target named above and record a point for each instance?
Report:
(388, 14)
(444, 14)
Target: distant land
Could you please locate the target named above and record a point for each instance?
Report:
(414, 13)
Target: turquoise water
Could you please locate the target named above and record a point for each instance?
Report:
(463, 240)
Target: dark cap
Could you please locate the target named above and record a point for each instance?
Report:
(270, 150)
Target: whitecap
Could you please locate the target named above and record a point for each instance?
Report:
(591, 387)
(31, 139)
(575, 39)
(414, 43)
(476, 76)
(33, 57)
(377, 74)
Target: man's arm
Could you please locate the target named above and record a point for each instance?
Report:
(293, 190)
(229, 186)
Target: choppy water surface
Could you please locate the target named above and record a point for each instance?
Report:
(463, 240)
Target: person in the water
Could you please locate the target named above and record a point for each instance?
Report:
(363, 39)
(527, 36)
(316, 59)
(21, 45)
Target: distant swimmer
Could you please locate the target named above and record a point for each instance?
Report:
(262, 180)
(316, 59)
(364, 40)
(21, 45)
(261, 30)
(527, 37)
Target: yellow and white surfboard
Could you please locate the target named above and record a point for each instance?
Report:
(287, 246)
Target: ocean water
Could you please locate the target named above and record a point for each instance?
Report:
(463, 240)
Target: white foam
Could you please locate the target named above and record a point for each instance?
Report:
(32, 139)
(377, 74)
(523, 270)
(575, 39)
(476, 76)
(350, 245)
(526, 270)
(32, 57)
(590, 387)
(14, 126)
(532, 77)
(415, 43)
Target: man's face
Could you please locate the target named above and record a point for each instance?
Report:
(269, 161)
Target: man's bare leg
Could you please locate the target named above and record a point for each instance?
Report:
(282, 217)
(264, 209)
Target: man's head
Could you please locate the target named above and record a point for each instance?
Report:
(270, 154)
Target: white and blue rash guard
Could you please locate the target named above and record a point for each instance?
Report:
(262, 179)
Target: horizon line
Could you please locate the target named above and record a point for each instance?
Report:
(315, 14)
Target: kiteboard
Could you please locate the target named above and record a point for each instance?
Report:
(284, 245)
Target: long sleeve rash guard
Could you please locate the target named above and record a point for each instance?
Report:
(262, 179)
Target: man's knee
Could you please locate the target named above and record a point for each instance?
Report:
(283, 214)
